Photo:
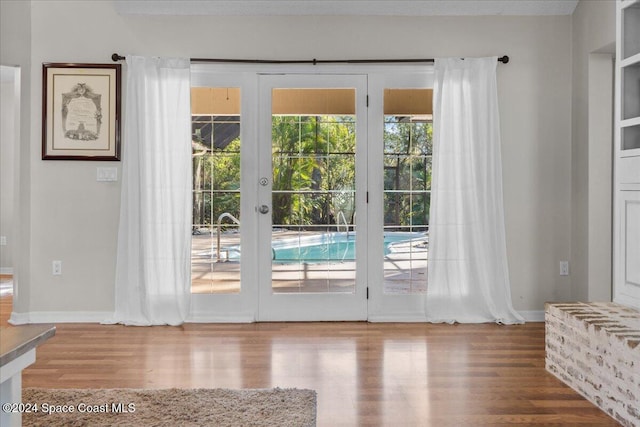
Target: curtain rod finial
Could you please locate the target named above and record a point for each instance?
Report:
(504, 59)
(115, 57)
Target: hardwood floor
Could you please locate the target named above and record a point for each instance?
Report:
(365, 374)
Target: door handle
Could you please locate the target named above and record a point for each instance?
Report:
(263, 209)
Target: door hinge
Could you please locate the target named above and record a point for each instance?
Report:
(367, 101)
(367, 197)
(367, 293)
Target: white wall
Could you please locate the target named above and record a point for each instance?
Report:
(74, 218)
(593, 35)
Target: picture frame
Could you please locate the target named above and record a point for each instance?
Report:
(81, 111)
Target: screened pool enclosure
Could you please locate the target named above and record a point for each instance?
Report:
(313, 191)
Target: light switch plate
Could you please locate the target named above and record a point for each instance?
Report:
(564, 268)
(107, 174)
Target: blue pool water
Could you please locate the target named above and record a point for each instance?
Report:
(332, 247)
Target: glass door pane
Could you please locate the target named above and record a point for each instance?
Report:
(399, 152)
(407, 154)
(215, 247)
(313, 195)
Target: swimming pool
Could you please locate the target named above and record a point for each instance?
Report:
(336, 247)
(333, 247)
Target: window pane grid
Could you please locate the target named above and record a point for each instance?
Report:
(313, 204)
(216, 190)
(407, 157)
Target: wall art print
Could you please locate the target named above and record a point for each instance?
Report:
(81, 111)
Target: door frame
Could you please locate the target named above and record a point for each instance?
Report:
(387, 307)
(235, 307)
(243, 307)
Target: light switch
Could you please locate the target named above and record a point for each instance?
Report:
(107, 174)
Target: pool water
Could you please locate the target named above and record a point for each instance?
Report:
(338, 250)
(332, 247)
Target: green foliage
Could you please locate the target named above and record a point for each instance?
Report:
(408, 147)
(312, 155)
(216, 183)
(313, 161)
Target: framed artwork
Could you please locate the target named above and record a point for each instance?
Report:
(81, 111)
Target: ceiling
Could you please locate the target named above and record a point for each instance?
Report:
(347, 7)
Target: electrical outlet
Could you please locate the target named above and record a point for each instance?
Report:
(564, 268)
(57, 268)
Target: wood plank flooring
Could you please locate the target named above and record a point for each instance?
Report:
(365, 374)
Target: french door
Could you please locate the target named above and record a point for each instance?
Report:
(311, 195)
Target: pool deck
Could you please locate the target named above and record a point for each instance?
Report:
(402, 275)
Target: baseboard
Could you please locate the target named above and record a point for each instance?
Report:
(532, 315)
(213, 318)
(528, 315)
(59, 317)
(397, 318)
(6, 270)
(101, 316)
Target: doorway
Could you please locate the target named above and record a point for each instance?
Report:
(9, 156)
(294, 219)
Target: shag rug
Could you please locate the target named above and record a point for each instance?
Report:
(169, 407)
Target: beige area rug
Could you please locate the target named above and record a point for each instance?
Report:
(170, 407)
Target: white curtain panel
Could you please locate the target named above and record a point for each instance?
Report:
(153, 262)
(468, 275)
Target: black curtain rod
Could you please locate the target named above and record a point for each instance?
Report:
(115, 57)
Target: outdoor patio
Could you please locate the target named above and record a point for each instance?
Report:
(404, 271)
